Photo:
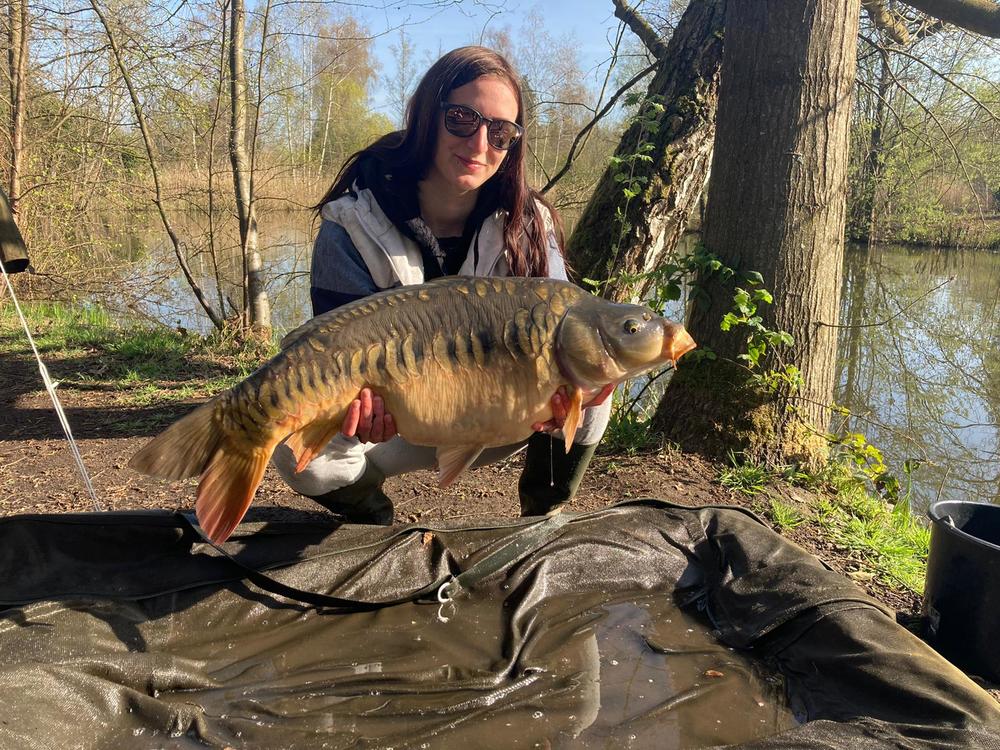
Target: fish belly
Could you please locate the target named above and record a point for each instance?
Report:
(490, 407)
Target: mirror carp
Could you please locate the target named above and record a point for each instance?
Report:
(462, 364)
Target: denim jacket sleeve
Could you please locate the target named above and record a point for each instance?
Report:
(339, 274)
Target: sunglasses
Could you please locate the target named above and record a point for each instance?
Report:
(463, 121)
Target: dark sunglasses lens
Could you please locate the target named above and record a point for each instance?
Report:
(461, 121)
(503, 134)
(464, 121)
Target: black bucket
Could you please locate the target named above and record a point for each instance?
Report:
(962, 590)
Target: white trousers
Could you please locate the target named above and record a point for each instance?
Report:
(345, 460)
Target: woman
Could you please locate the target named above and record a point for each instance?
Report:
(447, 195)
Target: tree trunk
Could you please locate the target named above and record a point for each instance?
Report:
(777, 202)
(686, 83)
(254, 295)
(863, 223)
(17, 61)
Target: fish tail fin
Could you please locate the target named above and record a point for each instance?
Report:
(227, 487)
(230, 469)
(184, 449)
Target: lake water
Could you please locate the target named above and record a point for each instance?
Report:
(919, 363)
(919, 353)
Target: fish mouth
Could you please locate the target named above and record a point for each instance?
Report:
(676, 342)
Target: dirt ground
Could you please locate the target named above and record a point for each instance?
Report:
(38, 473)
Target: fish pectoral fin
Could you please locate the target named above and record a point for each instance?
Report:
(573, 416)
(310, 440)
(453, 460)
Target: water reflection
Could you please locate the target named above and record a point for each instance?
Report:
(158, 291)
(918, 363)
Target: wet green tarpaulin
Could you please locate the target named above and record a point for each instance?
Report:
(13, 252)
(644, 625)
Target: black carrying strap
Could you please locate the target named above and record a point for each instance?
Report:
(524, 543)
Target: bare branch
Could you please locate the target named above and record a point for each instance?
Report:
(892, 317)
(887, 21)
(641, 28)
(147, 139)
(947, 136)
(980, 16)
(949, 80)
(586, 128)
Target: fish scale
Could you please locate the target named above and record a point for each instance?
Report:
(462, 364)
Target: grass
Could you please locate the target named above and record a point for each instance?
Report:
(783, 515)
(748, 478)
(888, 541)
(628, 431)
(86, 350)
(53, 326)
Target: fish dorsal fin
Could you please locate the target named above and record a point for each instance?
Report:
(453, 460)
(573, 415)
(310, 440)
(306, 329)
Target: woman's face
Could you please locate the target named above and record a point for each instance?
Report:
(464, 164)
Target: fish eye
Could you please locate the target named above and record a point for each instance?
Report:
(632, 326)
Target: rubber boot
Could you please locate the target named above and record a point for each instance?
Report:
(361, 502)
(551, 476)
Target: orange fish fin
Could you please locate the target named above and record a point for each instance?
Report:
(573, 416)
(453, 460)
(310, 440)
(226, 488)
(182, 450)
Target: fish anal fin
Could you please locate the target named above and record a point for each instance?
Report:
(310, 440)
(226, 488)
(573, 416)
(453, 460)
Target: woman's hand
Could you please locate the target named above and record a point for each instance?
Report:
(367, 419)
(560, 405)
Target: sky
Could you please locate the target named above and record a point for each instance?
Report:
(441, 25)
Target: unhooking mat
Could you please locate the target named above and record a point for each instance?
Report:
(645, 625)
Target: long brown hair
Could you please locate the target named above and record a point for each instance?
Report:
(411, 152)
